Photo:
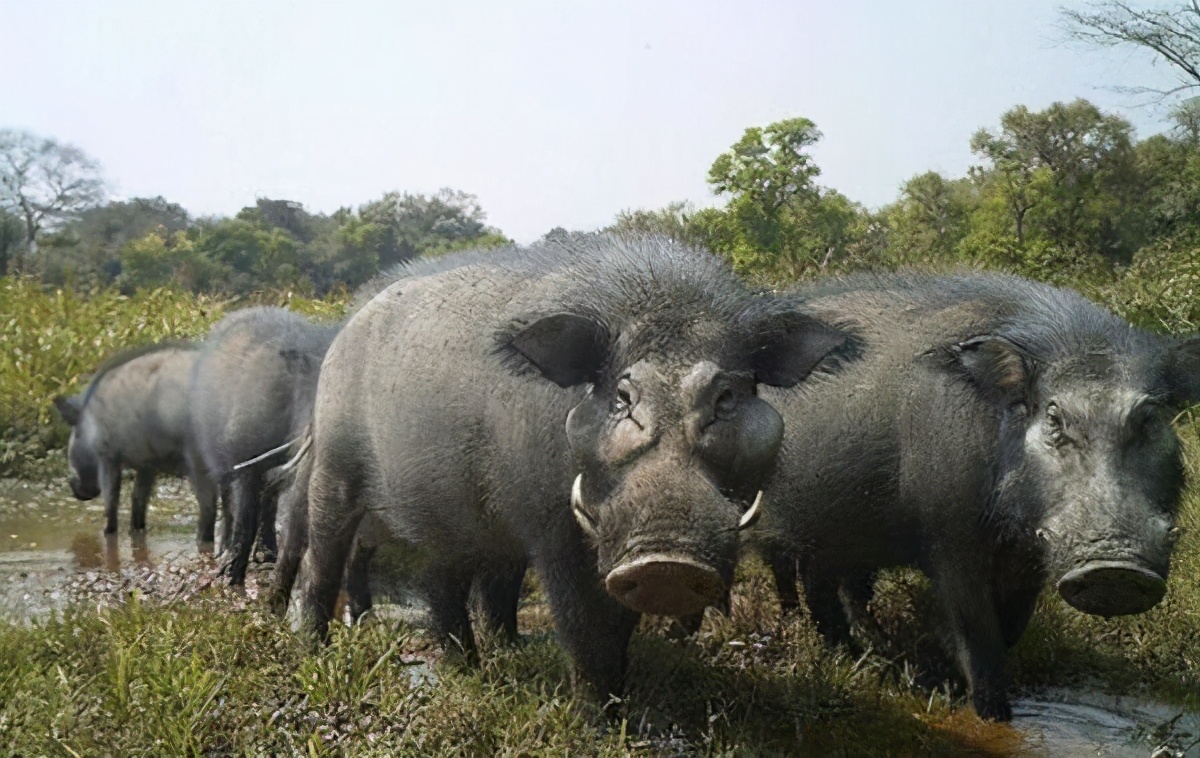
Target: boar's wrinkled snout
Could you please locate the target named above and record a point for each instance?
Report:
(665, 585)
(1112, 588)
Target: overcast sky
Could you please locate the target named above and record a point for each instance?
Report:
(553, 113)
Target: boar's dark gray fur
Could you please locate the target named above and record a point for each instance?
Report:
(589, 407)
(134, 414)
(252, 392)
(996, 433)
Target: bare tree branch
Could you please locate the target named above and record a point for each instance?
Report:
(1171, 35)
(45, 182)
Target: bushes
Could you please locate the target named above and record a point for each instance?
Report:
(50, 342)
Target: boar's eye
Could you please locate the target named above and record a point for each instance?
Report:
(626, 397)
(726, 404)
(1054, 424)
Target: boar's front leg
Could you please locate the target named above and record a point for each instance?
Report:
(825, 606)
(206, 496)
(499, 589)
(110, 487)
(976, 638)
(358, 577)
(592, 626)
(1017, 584)
(143, 486)
(447, 587)
(785, 571)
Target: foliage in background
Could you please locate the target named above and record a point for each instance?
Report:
(51, 341)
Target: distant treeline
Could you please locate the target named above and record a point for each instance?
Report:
(1066, 195)
(151, 242)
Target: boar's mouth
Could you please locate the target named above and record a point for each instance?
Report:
(1112, 588)
(665, 585)
(587, 521)
(83, 493)
(665, 581)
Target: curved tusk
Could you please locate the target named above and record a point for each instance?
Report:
(581, 515)
(750, 516)
(299, 454)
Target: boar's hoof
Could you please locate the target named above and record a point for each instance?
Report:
(1112, 588)
(665, 585)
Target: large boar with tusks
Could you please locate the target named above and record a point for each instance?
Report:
(251, 393)
(996, 433)
(589, 406)
(134, 414)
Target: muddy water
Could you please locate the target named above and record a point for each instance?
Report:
(47, 538)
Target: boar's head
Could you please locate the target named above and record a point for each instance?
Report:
(1089, 467)
(671, 443)
(85, 466)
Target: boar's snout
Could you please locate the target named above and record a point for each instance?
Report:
(1112, 588)
(83, 493)
(665, 585)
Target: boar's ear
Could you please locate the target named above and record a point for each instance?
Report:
(791, 347)
(1183, 370)
(995, 365)
(69, 408)
(566, 348)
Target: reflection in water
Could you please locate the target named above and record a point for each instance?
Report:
(89, 554)
(141, 554)
(86, 549)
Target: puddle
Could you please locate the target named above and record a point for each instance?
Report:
(46, 536)
(1082, 723)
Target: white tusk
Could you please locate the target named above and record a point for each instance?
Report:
(264, 456)
(299, 454)
(581, 515)
(750, 516)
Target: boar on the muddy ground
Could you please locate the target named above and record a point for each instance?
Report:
(251, 393)
(996, 433)
(587, 406)
(134, 414)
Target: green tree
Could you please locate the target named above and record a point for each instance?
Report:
(414, 224)
(778, 224)
(930, 220)
(1068, 174)
(674, 221)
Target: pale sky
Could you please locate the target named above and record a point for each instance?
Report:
(553, 113)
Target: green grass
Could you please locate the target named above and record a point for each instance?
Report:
(202, 677)
(186, 666)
